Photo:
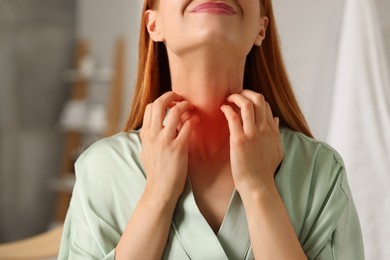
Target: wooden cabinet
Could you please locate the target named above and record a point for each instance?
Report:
(75, 132)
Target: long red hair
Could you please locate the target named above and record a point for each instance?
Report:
(265, 73)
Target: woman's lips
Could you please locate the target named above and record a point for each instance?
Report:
(213, 7)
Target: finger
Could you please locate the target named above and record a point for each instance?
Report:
(247, 112)
(187, 129)
(268, 114)
(184, 117)
(174, 116)
(259, 104)
(160, 106)
(147, 117)
(233, 119)
(276, 121)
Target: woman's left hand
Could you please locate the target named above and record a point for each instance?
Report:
(255, 148)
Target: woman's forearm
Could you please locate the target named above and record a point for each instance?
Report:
(271, 232)
(146, 233)
(164, 156)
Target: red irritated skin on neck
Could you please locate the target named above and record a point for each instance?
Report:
(214, 8)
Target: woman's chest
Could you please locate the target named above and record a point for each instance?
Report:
(212, 189)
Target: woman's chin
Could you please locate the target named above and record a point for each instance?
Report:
(214, 48)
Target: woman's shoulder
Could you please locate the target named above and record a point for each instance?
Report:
(109, 182)
(301, 146)
(120, 143)
(313, 184)
(111, 155)
(311, 166)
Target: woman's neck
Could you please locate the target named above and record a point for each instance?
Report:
(207, 83)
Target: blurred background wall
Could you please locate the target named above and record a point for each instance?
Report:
(337, 55)
(36, 46)
(37, 50)
(37, 41)
(310, 37)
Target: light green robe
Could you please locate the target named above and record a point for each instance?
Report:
(311, 181)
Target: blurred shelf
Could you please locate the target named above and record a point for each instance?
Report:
(99, 76)
(82, 117)
(62, 184)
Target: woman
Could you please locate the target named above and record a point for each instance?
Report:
(217, 161)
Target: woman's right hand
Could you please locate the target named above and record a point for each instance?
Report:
(164, 153)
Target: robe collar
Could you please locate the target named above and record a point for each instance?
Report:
(197, 237)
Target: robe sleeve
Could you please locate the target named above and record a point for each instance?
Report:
(331, 229)
(87, 235)
(345, 242)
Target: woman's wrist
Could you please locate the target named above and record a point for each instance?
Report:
(259, 196)
(160, 198)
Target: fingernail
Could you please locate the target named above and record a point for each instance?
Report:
(277, 121)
